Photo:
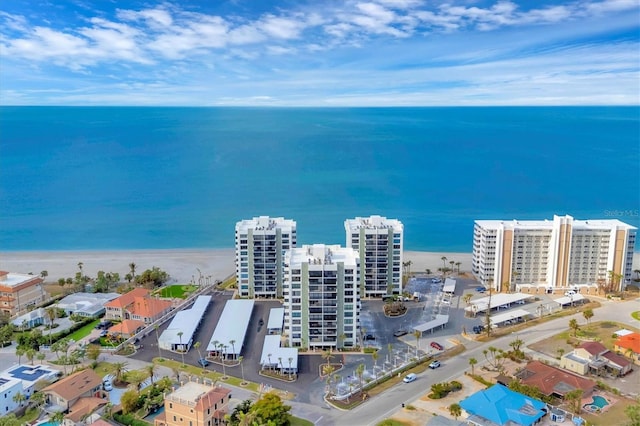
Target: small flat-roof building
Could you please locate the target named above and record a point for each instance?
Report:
(497, 301)
(19, 292)
(276, 321)
(178, 336)
(276, 357)
(228, 337)
(89, 305)
(449, 286)
(438, 321)
(30, 319)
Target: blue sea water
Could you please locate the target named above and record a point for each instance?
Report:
(145, 178)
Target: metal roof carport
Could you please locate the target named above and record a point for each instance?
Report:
(232, 327)
(449, 286)
(179, 334)
(439, 321)
(507, 316)
(276, 321)
(500, 299)
(569, 299)
(275, 356)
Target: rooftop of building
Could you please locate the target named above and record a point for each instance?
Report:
(551, 379)
(127, 326)
(321, 254)
(373, 222)
(29, 374)
(198, 395)
(128, 298)
(75, 385)
(265, 223)
(148, 307)
(10, 280)
(502, 406)
(547, 224)
(630, 341)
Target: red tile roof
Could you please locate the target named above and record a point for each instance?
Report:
(594, 348)
(127, 298)
(212, 397)
(75, 385)
(551, 380)
(84, 407)
(630, 341)
(126, 327)
(616, 359)
(149, 307)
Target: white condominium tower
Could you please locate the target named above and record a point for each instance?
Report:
(321, 302)
(379, 242)
(561, 253)
(260, 246)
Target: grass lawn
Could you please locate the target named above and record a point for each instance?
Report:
(636, 315)
(84, 331)
(104, 368)
(180, 291)
(601, 331)
(31, 415)
(297, 421)
(391, 422)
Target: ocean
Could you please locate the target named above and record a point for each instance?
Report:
(93, 178)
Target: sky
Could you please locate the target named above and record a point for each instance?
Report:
(320, 52)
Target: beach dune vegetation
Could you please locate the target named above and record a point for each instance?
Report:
(152, 278)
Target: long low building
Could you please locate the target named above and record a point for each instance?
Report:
(276, 321)
(178, 336)
(515, 315)
(439, 321)
(228, 337)
(568, 300)
(449, 286)
(276, 357)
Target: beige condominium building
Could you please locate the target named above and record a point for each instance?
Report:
(321, 301)
(379, 242)
(19, 292)
(559, 254)
(195, 404)
(260, 246)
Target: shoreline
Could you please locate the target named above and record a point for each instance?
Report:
(182, 264)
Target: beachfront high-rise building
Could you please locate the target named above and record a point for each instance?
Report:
(260, 246)
(562, 253)
(20, 292)
(379, 242)
(321, 301)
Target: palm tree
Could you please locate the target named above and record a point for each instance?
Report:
(472, 363)
(281, 366)
(156, 327)
(151, 370)
(241, 368)
(360, 373)
(428, 271)
(233, 348)
(58, 417)
(328, 355)
(452, 262)
(417, 334)
(119, 368)
(180, 333)
(587, 314)
(455, 410)
(197, 346)
(132, 268)
(80, 265)
(224, 370)
(444, 265)
(38, 399)
(637, 272)
(290, 361)
(19, 398)
(390, 350)
(269, 359)
(30, 353)
(374, 357)
(44, 274)
(573, 324)
(458, 264)
(41, 356)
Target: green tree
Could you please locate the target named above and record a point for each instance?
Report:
(38, 399)
(516, 345)
(633, 414)
(328, 355)
(270, 408)
(119, 369)
(19, 398)
(151, 371)
(574, 398)
(41, 356)
(573, 324)
(151, 278)
(444, 264)
(455, 410)
(137, 377)
(20, 351)
(93, 352)
(31, 354)
(6, 334)
(359, 374)
(10, 420)
(182, 351)
(58, 417)
(129, 401)
(197, 347)
(472, 363)
(417, 334)
(587, 314)
(242, 408)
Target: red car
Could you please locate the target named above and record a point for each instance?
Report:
(437, 346)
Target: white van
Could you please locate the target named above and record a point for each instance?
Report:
(410, 378)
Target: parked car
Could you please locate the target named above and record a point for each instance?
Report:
(437, 346)
(103, 325)
(107, 385)
(203, 362)
(369, 337)
(436, 280)
(103, 333)
(261, 322)
(481, 289)
(399, 333)
(570, 293)
(434, 364)
(521, 302)
(478, 328)
(411, 377)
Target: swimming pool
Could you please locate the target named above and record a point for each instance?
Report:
(597, 404)
(49, 423)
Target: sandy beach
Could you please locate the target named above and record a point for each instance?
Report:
(182, 265)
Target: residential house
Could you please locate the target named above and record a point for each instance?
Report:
(126, 329)
(88, 305)
(138, 304)
(553, 381)
(595, 358)
(78, 394)
(30, 319)
(20, 292)
(195, 404)
(22, 379)
(629, 346)
(499, 405)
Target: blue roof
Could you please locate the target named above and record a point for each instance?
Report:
(500, 405)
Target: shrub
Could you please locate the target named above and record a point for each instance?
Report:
(369, 350)
(128, 420)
